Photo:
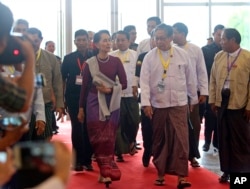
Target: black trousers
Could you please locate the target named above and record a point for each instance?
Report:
(79, 137)
(210, 127)
(147, 132)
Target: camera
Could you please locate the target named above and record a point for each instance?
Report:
(12, 53)
(34, 161)
(7, 123)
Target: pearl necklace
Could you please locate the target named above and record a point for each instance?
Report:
(103, 60)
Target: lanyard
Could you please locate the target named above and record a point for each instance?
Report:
(81, 65)
(123, 57)
(38, 55)
(230, 65)
(165, 63)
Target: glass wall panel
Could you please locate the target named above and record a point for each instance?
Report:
(185, 1)
(196, 19)
(229, 1)
(91, 15)
(236, 17)
(40, 14)
(131, 12)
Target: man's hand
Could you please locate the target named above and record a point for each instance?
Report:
(81, 115)
(148, 110)
(191, 107)
(247, 115)
(214, 108)
(202, 99)
(40, 127)
(135, 92)
(59, 113)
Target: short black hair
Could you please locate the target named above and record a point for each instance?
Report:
(35, 31)
(6, 20)
(166, 28)
(231, 33)
(81, 32)
(218, 27)
(123, 33)
(129, 28)
(181, 27)
(156, 19)
(47, 42)
(22, 21)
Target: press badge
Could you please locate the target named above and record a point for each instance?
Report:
(78, 80)
(161, 86)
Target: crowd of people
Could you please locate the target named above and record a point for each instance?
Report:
(98, 86)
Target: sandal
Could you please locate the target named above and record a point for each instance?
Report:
(159, 182)
(183, 183)
(194, 163)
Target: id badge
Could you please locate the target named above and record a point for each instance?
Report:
(226, 84)
(78, 80)
(161, 86)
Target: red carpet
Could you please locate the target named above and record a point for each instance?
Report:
(134, 175)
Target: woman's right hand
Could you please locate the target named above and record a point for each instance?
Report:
(103, 89)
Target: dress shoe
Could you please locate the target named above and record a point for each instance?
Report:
(206, 147)
(78, 168)
(224, 178)
(119, 158)
(88, 167)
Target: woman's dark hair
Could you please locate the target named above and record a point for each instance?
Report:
(97, 38)
(6, 20)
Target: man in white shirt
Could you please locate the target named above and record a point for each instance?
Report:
(144, 45)
(166, 80)
(129, 116)
(201, 80)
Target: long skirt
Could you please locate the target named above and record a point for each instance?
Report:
(170, 140)
(102, 135)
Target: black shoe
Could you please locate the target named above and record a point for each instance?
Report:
(88, 167)
(206, 147)
(146, 158)
(119, 158)
(78, 168)
(224, 178)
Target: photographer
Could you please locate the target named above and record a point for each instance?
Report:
(61, 169)
(16, 96)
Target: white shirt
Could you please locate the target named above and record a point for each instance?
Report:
(144, 46)
(179, 82)
(128, 59)
(199, 67)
